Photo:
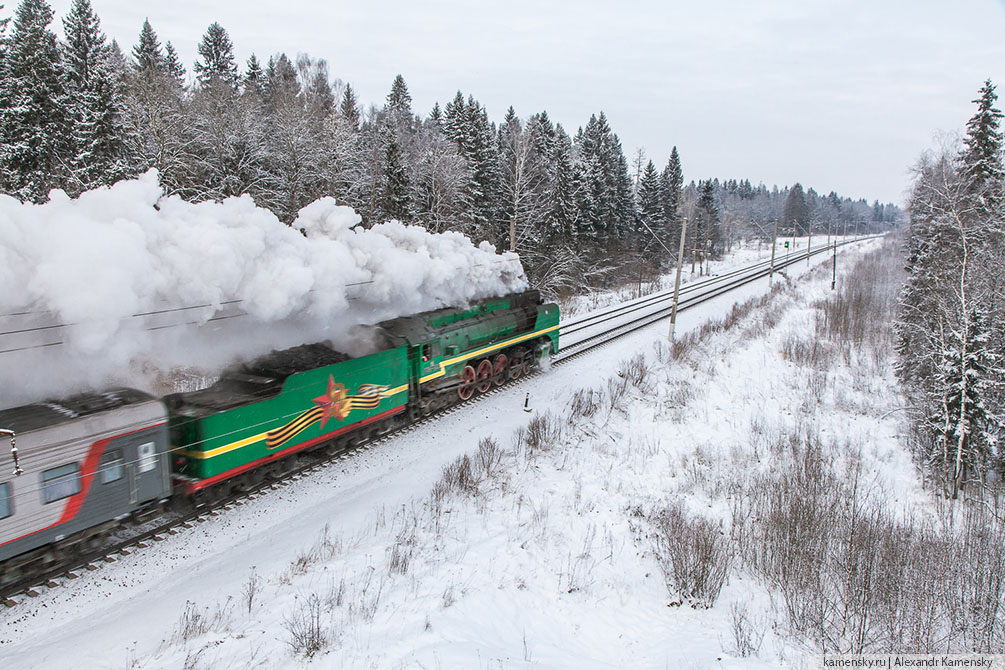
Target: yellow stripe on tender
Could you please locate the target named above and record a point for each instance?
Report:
(225, 448)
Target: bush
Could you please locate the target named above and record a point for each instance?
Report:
(307, 634)
(693, 554)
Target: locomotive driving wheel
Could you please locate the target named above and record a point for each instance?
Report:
(484, 376)
(467, 387)
(500, 369)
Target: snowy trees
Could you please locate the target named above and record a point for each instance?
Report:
(81, 114)
(523, 158)
(154, 114)
(606, 194)
(796, 216)
(33, 104)
(98, 154)
(951, 310)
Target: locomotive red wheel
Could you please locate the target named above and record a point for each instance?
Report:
(515, 369)
(467, 387)
(484, 376)
(500, 369)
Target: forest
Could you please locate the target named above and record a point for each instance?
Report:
(952, 309)
(77, 113)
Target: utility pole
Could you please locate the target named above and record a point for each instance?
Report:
(676, 284)
(774, 242)
(809, 242)
(834, 272)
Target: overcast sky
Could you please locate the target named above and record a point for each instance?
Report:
(836, 95)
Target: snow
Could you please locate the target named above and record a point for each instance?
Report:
(125, 280)
(542, 565)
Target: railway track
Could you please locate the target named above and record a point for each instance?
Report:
(611, 324)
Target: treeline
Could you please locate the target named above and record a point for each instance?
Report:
(952, 314)
(751, 211)
(79, 114)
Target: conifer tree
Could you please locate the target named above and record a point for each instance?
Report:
(33, 103)
(563, 215)
(157, 127)
(982, 155)
(147, 52)
(796, 217)
(117, 64)
(173, 65)
(254, 78)
(671, 187)
(951, 300)
(395, 201)
(98, 153)
(707, 238)
(217, 52)
(281, 82)
(606, 194)
(436, 114)
(349, 107)
(399, 100)
(651, 210)
(453, 119)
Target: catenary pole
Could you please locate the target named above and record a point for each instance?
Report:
(676, 284)
(774, 242)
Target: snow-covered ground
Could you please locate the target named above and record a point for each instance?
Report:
(536, 557)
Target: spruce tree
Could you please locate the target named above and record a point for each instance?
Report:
(4, 22)
(254, 78)
(98, 152)
(349, 108)
(707, 233)
(453, 119)
(173, 65)
(147, 52)
(796, 215)
(34, 147)
(217, 52)
(671, 187)
(966, 431)
(280, 80)
(982, 154)
(562, 217)
(399, 101)
(395, 202)
(606, 194)
(651, 211)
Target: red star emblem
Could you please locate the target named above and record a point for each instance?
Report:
(334, 402)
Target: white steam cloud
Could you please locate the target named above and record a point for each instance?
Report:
(124, 285)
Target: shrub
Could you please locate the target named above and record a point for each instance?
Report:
(693, 554)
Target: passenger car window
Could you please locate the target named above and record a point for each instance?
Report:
(148, 457)
(111, 467)
(6, 501)
(61, 482)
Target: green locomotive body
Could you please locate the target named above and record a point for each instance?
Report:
(312, 396)
(278, 405)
